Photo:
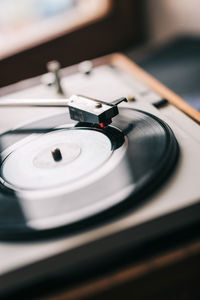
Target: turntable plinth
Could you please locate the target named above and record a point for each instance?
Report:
(140, 251)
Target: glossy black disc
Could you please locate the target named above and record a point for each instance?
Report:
(97, 170)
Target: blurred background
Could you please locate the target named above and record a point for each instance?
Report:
(160, 35)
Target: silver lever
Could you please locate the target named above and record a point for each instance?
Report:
(54, 68)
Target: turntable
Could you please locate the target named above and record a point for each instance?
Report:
(106, 163)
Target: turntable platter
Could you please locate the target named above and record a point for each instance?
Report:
(61, 173)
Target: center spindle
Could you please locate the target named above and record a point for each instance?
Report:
(56, 153)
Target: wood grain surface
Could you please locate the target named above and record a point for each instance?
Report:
(172, 275)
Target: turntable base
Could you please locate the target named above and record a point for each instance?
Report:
(167, 200)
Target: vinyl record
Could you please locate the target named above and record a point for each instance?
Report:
(57, 173)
